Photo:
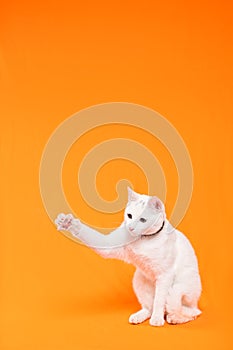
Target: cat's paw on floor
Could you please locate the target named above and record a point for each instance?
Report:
(178, 319)
(157, 321)
(140, 316)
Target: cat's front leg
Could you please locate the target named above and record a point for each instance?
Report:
(105, 245)
(163, 284)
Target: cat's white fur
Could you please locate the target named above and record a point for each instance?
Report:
(166, 281)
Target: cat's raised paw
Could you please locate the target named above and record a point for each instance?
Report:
(64, 221)
(68, 223)
(157, 321)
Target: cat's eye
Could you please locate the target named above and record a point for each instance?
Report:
(129, 216)
(143, 220)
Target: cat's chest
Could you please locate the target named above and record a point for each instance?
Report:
(146, 256)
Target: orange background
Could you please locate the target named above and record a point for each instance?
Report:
(59, 57)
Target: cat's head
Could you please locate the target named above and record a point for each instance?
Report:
(144, 215)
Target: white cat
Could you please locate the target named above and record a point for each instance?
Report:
(166, 281)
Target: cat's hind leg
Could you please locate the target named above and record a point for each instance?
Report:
(144, 290)
(181, 307)
(190, 306)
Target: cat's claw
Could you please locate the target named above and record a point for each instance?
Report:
(68, 223)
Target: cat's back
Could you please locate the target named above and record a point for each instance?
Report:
(185, 251)
(182, 241)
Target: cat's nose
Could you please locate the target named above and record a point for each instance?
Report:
(131, 229)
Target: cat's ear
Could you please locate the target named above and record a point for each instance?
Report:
(156, 203)
(132, 196)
